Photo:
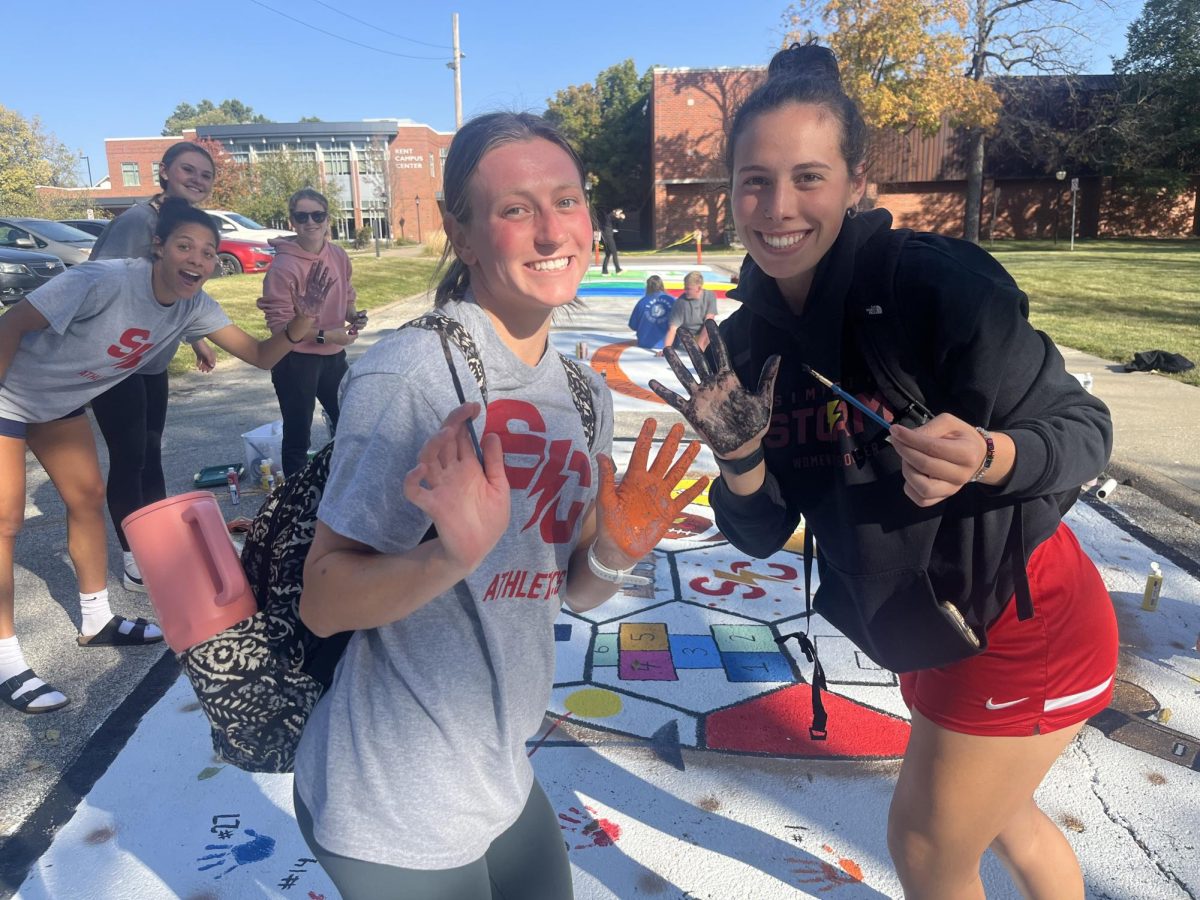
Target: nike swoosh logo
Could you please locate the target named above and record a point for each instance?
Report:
(991, 705)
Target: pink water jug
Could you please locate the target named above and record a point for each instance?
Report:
(190, 567)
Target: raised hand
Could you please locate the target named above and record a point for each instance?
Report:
(468, 503)
(316, 287)
(635, 514)
(731, 419)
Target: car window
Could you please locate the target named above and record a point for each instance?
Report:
(246, 223)
(10, 234)
(57, 231)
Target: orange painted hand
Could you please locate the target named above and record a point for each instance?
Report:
(635, 514)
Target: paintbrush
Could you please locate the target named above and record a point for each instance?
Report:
(848, 397)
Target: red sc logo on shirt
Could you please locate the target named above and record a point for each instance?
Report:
(130, 348)
(542, 467)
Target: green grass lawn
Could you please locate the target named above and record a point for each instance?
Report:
(1113, 298)
(1108, 298)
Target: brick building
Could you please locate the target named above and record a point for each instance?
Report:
(372, 162)
(920, 179)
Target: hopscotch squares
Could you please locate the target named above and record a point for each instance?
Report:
(645, 651)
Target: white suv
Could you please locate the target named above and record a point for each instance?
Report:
(239, 228)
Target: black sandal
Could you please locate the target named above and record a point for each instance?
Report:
(9, 690)
(112, 636)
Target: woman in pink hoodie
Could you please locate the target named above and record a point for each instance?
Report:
(314, 368)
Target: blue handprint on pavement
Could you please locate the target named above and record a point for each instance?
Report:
(258, 848)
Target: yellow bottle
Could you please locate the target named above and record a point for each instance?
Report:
(1153, 588)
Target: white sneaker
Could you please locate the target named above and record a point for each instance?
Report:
(132, 576)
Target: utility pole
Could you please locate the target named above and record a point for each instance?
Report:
(456, 65)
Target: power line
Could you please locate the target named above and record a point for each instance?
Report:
(340, 38)
(378, 28)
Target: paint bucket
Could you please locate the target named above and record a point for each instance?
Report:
(191, 570)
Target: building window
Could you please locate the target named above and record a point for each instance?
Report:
(337, 162)
(129, 174)
(154, 172)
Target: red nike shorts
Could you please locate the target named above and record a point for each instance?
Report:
(1036, 676)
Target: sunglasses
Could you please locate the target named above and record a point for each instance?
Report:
(301, 218)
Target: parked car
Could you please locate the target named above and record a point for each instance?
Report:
(235, 257)
(69, 244)
(239, 227)
(94, 227)
(23, 270)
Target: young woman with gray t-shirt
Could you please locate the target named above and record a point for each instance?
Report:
(64, 344)
(412, 774)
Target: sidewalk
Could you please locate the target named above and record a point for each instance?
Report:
(699, 786)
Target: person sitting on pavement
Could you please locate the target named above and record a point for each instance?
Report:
(650, 317)
(694, 307)
(451, 660)
(314, 368)
(68, 341)
(938, 532)
(132, 413)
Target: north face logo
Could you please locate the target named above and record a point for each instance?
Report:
(874, 310)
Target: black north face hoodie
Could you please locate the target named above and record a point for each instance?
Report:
(961, 333)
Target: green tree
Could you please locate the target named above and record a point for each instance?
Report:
(609, 124)
(260, 187)
(30, 156)
(1160, 74)
(229, 112)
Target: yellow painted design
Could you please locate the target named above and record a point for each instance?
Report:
(593, 703)
(686, 483)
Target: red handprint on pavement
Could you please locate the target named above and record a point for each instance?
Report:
(828, 875)
(595, 832)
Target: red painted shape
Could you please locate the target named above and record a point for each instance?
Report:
(607, 361)
(778, 724)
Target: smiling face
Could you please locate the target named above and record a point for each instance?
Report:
(189, 177)
(791, 190)
(529, 234)
(183, 263)
(309, 234)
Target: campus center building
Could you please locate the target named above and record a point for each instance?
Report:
(388, 171)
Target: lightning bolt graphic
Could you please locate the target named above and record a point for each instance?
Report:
(550, 479)
(747, 576)
(835, 411)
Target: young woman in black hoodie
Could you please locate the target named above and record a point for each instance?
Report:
(940, 543)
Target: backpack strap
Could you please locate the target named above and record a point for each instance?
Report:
(581, 396)
(453, 330)
(876, 323)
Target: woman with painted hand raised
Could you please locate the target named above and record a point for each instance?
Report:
(412, 774)
(939, 535)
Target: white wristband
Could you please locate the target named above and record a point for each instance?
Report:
(616, 576)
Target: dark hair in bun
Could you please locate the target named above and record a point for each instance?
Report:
(805, 73)
(175, 212)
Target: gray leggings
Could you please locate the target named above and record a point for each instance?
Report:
(526, 862)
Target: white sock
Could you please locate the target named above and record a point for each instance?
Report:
(131, 565)
(96, 611)
(12, 662)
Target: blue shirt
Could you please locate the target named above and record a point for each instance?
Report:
(650, 319)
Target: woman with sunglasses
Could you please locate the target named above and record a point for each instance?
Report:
(314, 368)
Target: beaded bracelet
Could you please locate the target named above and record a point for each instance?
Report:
(987, 457)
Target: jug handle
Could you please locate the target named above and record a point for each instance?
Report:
(212, 537)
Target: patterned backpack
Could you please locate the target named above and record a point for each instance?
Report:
(258, 680)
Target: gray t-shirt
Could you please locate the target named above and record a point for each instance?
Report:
(416, 756)
(690, 314)
(104, 325)
(131, 236)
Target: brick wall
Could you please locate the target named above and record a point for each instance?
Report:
(416, 171)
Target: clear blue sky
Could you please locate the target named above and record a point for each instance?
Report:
(117, 69)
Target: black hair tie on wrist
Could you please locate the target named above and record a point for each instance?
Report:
(287, 334)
